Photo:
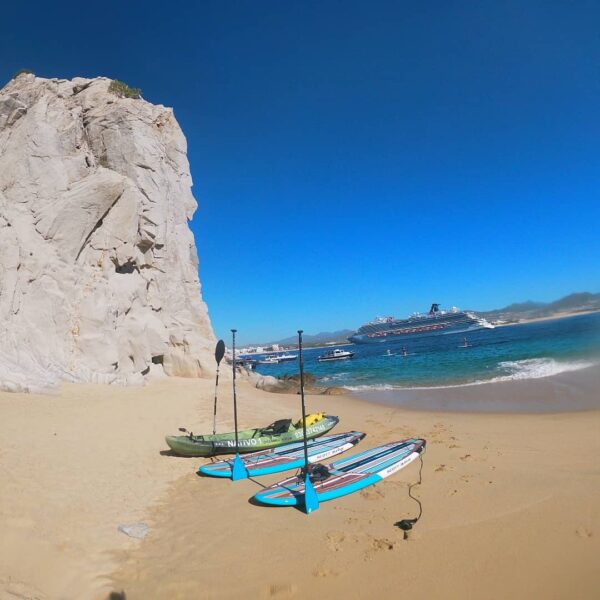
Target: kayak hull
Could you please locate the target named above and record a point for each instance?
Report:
(250, 440)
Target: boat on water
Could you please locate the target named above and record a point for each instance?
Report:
(247, 363)
(277, 358)
(336, 354)
(435, 322)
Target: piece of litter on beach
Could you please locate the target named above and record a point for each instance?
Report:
(134, 530)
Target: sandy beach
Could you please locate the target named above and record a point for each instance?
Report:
(511, 500)
(554, 317)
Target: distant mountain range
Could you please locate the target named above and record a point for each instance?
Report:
(318, 338)
(524, 311)
(513, 313)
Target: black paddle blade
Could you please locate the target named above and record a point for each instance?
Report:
(220, 351)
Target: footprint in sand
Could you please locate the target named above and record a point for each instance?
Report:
(282, 590)
(451, 446)
(378, 545)
(382, 544)
(324, 572)
(584, 532)
(465, 457)
(372, 493)
(441, 468)
(335, 539)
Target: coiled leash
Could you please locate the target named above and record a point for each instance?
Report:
(407, 524)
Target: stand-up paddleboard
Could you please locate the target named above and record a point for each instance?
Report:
(345, 476)
(290, 456)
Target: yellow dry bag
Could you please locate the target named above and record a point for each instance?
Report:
(310, 419)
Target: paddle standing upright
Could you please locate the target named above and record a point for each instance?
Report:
(238, 470)
(311, 502)
(219, 353)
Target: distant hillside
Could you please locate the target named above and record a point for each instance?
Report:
(513, 313)
(573, 303)
(318, 338)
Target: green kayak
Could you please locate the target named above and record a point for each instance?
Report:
(251, 440)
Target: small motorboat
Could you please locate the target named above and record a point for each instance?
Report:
(247, 363)
(287, 357)
(268, 360)
(336, 354)
(275, 359)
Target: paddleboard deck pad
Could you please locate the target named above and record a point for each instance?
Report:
(290, 456)
(345, 476)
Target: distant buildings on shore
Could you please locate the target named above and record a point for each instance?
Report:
(261, 349)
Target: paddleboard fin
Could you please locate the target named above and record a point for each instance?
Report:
(238, 470)
(311, 502)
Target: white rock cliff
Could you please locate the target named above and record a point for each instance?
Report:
(98, 266)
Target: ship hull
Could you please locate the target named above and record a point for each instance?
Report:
(399, 336)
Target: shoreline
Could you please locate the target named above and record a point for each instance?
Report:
(92, 459)
(552, 394)
(554, 317)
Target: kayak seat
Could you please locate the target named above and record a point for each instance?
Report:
(277, 427)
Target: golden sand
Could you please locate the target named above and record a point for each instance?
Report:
(511, 502)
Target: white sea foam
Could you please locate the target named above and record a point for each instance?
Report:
(535, 368)
(530, 368)
(377, 387)
(335, 377)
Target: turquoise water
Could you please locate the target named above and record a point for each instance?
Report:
(525, 351)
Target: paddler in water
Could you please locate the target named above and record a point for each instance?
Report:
(404, 352)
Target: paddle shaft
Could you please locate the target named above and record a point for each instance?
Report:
(302, 397)
(235, 421)
(219, 353)
(215, 407)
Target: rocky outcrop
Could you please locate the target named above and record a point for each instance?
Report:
(98, 267)
(290, 384)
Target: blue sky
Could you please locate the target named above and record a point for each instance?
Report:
(360, 158)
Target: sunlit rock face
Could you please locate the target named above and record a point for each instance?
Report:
(98, 266)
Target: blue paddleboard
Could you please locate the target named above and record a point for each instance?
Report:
(290, 456)
(345, 476)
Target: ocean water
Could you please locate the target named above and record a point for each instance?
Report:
(526, 351)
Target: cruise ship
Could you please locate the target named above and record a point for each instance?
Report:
(435, 322)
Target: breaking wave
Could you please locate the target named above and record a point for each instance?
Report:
(377, 387)
(536, 368)
(530, 368)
